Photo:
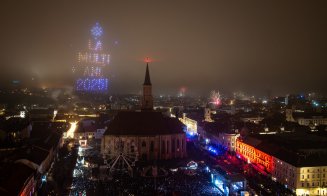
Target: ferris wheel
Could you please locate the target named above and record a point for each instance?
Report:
(121, 158)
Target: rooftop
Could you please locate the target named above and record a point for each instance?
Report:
(301, 150)
(143, 123)
(309, 115)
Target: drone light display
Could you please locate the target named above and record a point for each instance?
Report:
(89, 69)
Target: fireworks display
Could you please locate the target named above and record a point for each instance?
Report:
(215, 98)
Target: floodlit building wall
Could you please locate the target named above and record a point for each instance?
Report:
(301, 180)
(253, 155)
(192, 125)
(311, 180)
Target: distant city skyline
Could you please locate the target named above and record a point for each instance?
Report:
(256, 47)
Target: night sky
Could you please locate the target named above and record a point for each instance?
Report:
(255, 46)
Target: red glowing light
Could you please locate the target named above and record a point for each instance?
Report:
(147, 60)
(262, 160)
(217, 102)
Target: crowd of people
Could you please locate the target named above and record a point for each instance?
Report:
(178, 182)
(188, 178)
(183, 181)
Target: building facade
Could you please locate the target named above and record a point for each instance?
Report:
(249, 153)
(306, 119)
(145, 134)
(148, 147)
(302, 179)
(228, 140)
(191, 125)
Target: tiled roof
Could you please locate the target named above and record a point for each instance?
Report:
(291, 150)
(143, 123)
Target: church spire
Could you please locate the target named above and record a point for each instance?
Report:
(147, 80)
(147, 99)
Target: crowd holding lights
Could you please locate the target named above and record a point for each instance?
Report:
(91, 63)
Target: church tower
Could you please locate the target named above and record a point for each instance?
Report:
(207, 114)
(147, 99)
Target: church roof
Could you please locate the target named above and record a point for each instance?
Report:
(143, 123)
(147, 80)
